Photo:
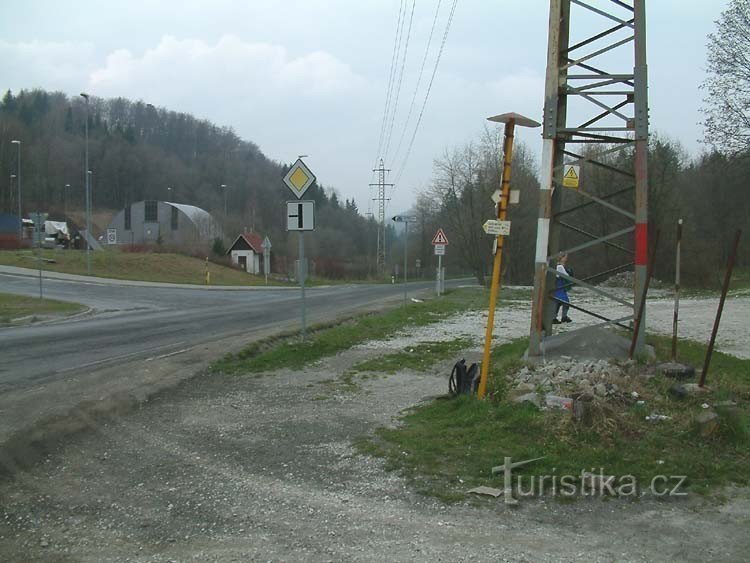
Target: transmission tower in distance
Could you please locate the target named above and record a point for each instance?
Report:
(381, 184)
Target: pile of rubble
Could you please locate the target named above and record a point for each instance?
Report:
(627, 280)
(560, 380)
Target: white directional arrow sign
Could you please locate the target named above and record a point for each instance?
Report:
(405, 218)
(496, 227)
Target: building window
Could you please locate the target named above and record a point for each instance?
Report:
(127, 218)
(174, 219)
(152, 214)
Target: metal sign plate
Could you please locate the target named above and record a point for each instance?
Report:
(300, 215)
(299, 178)
(496, 227)
(440, 237)
(571, 176)
(439, 250)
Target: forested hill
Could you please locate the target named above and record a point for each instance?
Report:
(138, 151)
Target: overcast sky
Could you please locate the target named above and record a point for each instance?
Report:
(310, 76)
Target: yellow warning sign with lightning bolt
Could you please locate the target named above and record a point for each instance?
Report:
(571, 176)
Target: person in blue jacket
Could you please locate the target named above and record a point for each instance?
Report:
(561, 291)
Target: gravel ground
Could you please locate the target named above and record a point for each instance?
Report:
(262, 469)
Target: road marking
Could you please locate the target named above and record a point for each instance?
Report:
(121, 357)
(170, 354)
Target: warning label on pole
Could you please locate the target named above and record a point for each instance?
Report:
(571, 176)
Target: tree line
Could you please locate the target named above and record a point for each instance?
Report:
(708, 192)
(138, 151)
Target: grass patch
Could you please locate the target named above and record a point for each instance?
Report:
(419, 358)
(142, 266)
(288, 352)
(18, 306)
(450, 445)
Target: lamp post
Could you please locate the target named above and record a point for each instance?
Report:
(66, 187)
(170, 192)
(10, 193)
(18, 191)
(87, 173)
(224, 189)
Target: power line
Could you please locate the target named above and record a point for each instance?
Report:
(419, 81)
(427, 94)
(400, 79)
(391, 75)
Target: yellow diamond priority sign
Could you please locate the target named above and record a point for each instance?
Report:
(299, 178)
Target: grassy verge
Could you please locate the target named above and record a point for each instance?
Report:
(289, 352)
(418, 358)
(141, 266)
(16, 306)
(450, 445)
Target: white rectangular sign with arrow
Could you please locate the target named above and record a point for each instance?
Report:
(496, 227)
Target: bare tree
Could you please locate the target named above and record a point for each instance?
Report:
(727, 105)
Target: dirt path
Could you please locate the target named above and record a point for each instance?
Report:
(246, 469)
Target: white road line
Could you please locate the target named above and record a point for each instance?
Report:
(169, 355)
(121, 357)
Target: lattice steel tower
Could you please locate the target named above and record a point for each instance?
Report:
(596, 116)
(381, 184)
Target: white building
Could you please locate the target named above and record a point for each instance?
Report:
(247, 252)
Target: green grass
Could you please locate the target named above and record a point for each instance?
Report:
(289, 352)
(419, 358)
(450, 445)
(142, 266)
(16, 306)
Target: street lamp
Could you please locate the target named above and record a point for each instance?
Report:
(10, 193)
(224, 188)
(87, 173)
(170, 192)
(65, 200)
(18, 188)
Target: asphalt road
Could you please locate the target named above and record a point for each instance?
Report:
(149, 322)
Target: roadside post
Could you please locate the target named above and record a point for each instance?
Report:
(405, 219)
(717, 320)
(300, 217)
(676, 316)
(499, 228)
(266, 257)
(39, 219)
(439, 242)
(208, 274)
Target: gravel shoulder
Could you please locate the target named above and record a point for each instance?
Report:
(243, 469)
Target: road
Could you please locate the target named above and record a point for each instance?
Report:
(59, 377)
(143, 322)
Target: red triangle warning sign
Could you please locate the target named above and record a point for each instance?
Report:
(440, 237)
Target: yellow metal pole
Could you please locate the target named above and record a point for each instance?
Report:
(502, 211)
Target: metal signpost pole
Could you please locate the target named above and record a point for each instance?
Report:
(301, 218)
(440, 275)
(39, 249)
(406, 249)
(510, 121)
(18, 189)
(86, 173)
(302, 273)
(676, 316)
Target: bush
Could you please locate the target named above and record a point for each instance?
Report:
(218, 247)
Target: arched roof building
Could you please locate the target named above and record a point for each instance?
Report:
(151, 221)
